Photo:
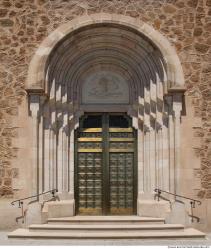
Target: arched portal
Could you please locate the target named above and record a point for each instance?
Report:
(106, 64)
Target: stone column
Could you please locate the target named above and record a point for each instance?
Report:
(65, 133)
(54, 148)
(160, 156)
(152, 131)
(169, 101)
(140, 149)
(34, 105)
(140, 162)
(159, 132)
(177, 108)
(166, 172)
(73, 123)
(147, 180)
(60, 158)
(59, 121)
(40, 149)
(147, 176)
(46, 154)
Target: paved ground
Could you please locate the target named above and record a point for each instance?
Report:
(5, 241)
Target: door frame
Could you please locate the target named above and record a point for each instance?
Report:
(105, 159)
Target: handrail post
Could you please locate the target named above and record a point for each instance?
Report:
(193, 202)
(22, 211)
(159, 194)
(192, 206)
(21, 202)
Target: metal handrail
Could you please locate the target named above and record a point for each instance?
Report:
(20, 202)
(192, 201)
(160, 190)
(53, 191)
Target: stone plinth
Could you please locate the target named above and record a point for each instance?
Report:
(151, 208)
(56, 209)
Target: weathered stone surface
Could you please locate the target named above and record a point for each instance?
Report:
(192, 3)
(24, 25)
(169, 9)
(201, 48)
(197, 31)
(208, 2)
(201, 194)
(3, 12)
(6, 22)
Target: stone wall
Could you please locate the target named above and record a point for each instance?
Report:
(24, 24)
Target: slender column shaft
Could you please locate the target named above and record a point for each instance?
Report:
(160, 158)
(51, 159)
(140, 162)
(65, 133)
(34, 108)
(40, 149)
(60, 160)
(140, 149)
(46, 148)
(170, 144)
(147, 176)
(152, 159)
(54, 149)
(177, 107)
(165, 156)
(71, 168)
(153, 96)
(171, 154)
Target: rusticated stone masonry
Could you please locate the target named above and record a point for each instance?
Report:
(24, 24)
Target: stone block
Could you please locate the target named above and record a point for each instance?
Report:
(33, 214)
(179, 214)
(208, 215)
(56, 209)
(153, 208)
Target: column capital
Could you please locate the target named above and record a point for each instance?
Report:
(177, 94)
(168, 99)
(146, 128)
(34, 104)
(176, 90)
(177, 105)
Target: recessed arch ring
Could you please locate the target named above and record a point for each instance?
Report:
(36, 80)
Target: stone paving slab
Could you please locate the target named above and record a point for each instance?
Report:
(105, 227)
(119, 234)
(199, 242)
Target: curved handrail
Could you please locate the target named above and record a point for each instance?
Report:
(192, 201)
(53, 191)
(20, 203)
(181, 196)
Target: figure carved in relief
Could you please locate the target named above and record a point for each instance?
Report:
(105, 88)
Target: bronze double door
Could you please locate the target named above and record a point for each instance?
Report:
(105, 165)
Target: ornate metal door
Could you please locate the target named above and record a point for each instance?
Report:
(105, 165)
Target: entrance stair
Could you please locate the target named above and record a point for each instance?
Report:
(106, 227)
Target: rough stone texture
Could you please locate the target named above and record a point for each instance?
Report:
(24, 24)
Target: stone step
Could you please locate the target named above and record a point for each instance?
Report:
(104, 227)
(188, 233)
(106, 220)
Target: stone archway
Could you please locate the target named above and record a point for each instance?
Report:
(37, 67)
(131, 50)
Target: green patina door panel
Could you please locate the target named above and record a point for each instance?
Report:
(105, 165)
